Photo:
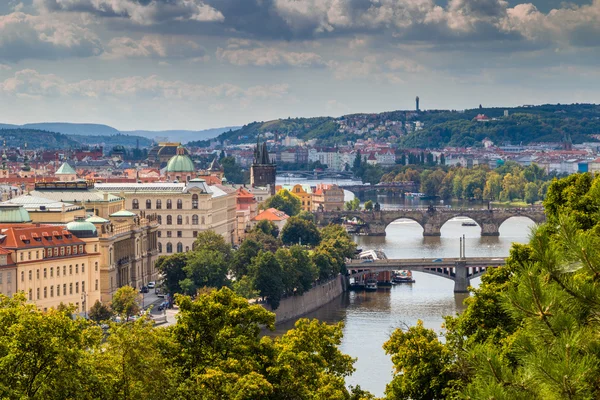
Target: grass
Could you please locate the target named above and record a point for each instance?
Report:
(515, 203)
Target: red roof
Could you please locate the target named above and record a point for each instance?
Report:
(19, 236)
(271, 214)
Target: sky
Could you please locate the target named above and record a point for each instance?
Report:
(198, 64)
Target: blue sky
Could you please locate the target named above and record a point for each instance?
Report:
(195, 64)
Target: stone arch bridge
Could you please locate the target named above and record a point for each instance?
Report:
(431, 219)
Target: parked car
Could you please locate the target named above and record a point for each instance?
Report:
(151, 285)
(159, 292)
(144, 289)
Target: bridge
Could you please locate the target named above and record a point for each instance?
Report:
(388, 187)
(316, 174)
(374, 223)
(460, 270)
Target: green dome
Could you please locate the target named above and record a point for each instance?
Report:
(13, 214)
(82, 229)
(180, 163)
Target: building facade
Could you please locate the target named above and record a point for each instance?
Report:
(182, 210)
(328, 197)
(263, 171)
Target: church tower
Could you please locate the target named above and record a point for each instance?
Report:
(263, 171)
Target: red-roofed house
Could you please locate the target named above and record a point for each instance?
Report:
(279, 218)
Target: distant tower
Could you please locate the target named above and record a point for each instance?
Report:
(262, 171)
(417, 101)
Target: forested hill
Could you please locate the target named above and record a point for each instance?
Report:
(36, 138)
(524, 124)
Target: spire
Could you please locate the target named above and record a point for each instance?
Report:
(265, 154)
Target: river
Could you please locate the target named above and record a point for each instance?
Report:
(370, 317)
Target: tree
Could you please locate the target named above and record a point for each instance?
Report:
(232, 171)
(206, 268)
(267, 227)
(305, 268)
(245, 287)
(243, 256)
(531, 193)
(420, 364)
(172, 270)
(369, 205)
(100, 312)
(267, 276)
(306, 215)
(210, 240)
(285, 201)
(493, 186)
(124, 302)
(353, 205)
(300, 231)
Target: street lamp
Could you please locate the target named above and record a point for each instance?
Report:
(84, 303)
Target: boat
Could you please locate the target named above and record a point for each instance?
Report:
(371, 285)
(469, 224)
(403, 277)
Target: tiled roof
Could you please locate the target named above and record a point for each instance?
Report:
(271, 214)
(31, 236)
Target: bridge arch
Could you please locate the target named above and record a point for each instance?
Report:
(504, 219)
(444, 221)
(405, 218)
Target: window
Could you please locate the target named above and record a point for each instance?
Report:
(179, 247)
(159, 219)
(57, 271)
(168, 233)
(76, 268)
(49, 253)
(55, 251)
(37, 254)
(64, 289)
(51, 272)
(70, 288)
(203, 221)
(37, 274)
(169, 220)
(30, 274)
(179, 234)
(159, 233)
(179, 204)
(135, 204)
(70, 270)
(169, 204)
(96, 285)
(96, 266)
(160, 247)
(37, 293)
(187, 248)
(169, 247)
(21, 256)
(45, 291)
(195, 233)
(74, 249)
(158, 204)
(69, 250)
(8, 277)
(179, 220)
(95, 248)
(57, 290)
(30, 294)
(22, 276)
(52, 291)
(82, 268)
(45, 273)
(83, 286)
(76, 287)
(81, 248)
(148, 204)
(29, 255)
(195, 201)
(64, 270)
(194, 219)
(62, 251)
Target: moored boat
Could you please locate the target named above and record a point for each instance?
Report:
(403, 277)
(371, 285)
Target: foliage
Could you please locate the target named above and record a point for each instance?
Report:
(285, 201)
(243, 256)
(37, 139)
(100, 312)
(171, 268)
(124, 302)
(267, 227)
(300, 231)
(369, 205)
(306, 215)
(353, 205)
(268, 277)
(232, 171)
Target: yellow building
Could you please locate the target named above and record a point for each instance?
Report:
(183, 210)
(305, 195)
(47, 262)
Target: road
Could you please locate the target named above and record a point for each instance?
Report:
(151, 300)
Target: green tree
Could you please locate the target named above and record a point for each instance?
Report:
(206, 268)
(232, 171)
(353, 205)
(493, 186)
(124, 302)
(171, 268)
(531, 193)
(285, 201)
(267, 227)
(420, 364)
(100, 312)
(368, 205)
(212, 241)
(300, 231)
(267, 276)
(306, 215)
(243, 256)
(245, 287)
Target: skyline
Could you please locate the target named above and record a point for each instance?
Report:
(191, 64)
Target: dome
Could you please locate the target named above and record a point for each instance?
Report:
(180, 163)
(13, 214)
(82, 229)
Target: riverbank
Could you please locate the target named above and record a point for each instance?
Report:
(296, 306)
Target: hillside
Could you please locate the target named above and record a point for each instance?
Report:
(182, 136)
(113, 140)
(67, 128)
(544, 123)
(36, 139)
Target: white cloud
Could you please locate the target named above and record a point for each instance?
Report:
(153, 46)
(268, 56)
(28, 36)
(139, 12)
(368, 66)
(32, 84)
(404, 64)
(4, 67)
